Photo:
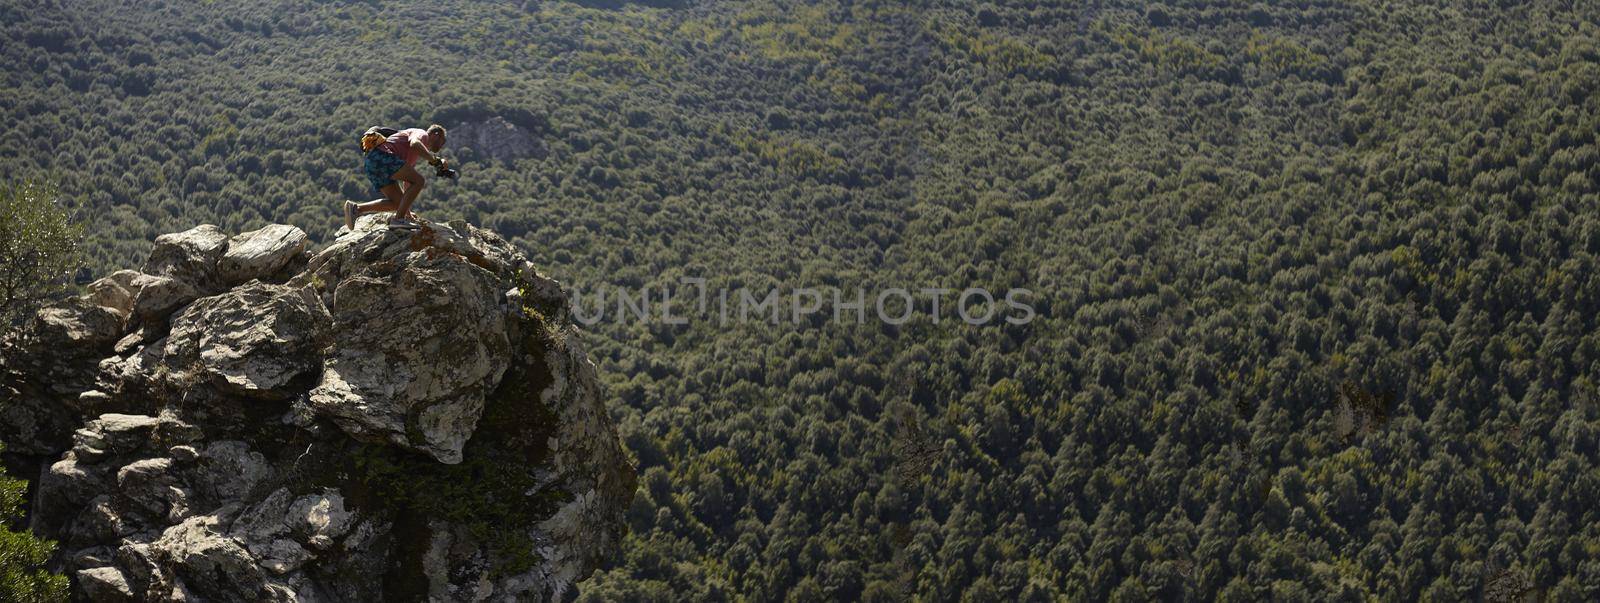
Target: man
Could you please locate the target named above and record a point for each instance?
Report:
(389, 167)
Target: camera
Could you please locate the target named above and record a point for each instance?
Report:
(446, 172)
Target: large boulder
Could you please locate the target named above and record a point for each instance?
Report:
(190, 256)
(261, 253)
(254, 340)
(417, 348)
(105, 584)
(71, 329)
(404, 415)
(115, 292)
(182, 267)
(159, 296)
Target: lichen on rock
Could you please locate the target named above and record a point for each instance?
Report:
(384, 419)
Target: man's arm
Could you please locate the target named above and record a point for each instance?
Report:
(418, 147)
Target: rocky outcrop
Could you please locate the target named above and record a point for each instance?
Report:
(44, 372)
(403, 416)
(261, 253)
(495, 139)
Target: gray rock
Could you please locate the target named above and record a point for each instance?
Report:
(105, 585)
(64, 489)
(319, 542)
(190, 256)
(319, 515)
(253, 340)
(115, 292)
(160, 296)
(97, 556)
(352, 565)
(131, 341)
(147, 485)
(414, 354)
(32, 422)
(183, 454)
(282, 556)
(260, 253)
(264, 521)
(478, 247)
(181, 503)
(94, 401)
(208, 563)
(45, 367)
(242, 419)
(139, 568)
(542, 291)
(100, 522)
(179, 592)
(77, 325)
(229, 470)
(119, 434)
(142, 369)
(372, 245)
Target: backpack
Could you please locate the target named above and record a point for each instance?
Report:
(375, 136)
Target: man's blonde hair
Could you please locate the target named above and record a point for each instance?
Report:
(437, 129)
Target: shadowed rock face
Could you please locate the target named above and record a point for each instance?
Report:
(405, 415)
(495, 139)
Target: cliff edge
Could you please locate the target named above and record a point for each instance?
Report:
(402, 416)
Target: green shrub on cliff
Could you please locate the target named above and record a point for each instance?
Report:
(38, 246)
(22, 556)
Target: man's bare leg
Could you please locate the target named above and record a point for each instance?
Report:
(414, 182)
(391, 200)
(405, 188)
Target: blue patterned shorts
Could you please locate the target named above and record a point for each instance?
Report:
(381, 167)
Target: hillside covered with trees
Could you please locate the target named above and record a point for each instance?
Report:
(1316, 282)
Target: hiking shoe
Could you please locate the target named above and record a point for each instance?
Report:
(404, 223)
(349, 215)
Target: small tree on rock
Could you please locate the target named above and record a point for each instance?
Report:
(38, 247)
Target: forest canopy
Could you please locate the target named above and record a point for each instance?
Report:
(1316, 280)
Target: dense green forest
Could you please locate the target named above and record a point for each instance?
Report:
(1316, 281)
